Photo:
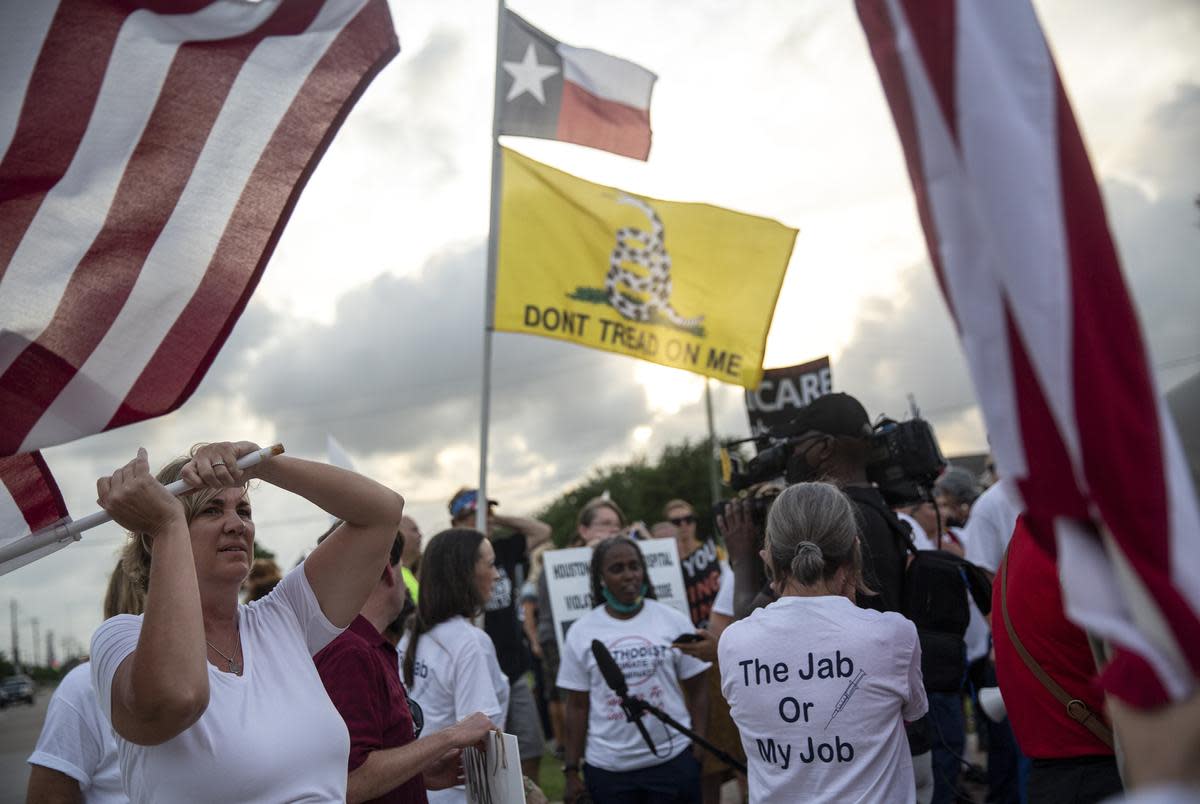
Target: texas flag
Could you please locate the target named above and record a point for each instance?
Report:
(554, 91)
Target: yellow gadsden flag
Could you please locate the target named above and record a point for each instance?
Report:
(690, 286)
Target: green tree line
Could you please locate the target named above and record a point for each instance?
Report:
(640, 488)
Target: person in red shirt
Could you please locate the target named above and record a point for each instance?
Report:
(361, 673)
(1071, 761)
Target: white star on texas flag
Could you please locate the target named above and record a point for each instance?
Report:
(528, 76)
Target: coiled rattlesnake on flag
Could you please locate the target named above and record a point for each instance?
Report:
(648, 251)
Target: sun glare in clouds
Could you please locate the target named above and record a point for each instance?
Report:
(641, 434)
(458, 459)
(667, 389)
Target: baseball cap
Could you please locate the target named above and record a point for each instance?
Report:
(465, 501)
(833, 414)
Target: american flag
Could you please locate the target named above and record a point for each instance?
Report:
(150, 155)
(1017, 234)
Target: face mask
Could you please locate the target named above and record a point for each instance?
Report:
(622, 608)
(799, 470)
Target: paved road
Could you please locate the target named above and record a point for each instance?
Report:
(20, 726)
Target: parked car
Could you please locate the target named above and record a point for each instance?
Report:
(17, 688)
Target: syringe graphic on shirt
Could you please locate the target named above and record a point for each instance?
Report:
(850, 688)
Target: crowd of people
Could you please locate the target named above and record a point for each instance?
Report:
(837, 646)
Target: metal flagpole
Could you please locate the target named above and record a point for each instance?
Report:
(714, 484)
(489, 295)
(18, 553)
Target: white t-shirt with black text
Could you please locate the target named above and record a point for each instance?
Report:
(455, 674)
(820, 690)
(268, 735)
(76, 740)
(653, 670)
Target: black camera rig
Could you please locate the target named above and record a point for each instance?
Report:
(903, 459)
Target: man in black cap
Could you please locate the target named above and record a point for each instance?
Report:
(832, 445)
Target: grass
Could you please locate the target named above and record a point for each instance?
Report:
(552, 779)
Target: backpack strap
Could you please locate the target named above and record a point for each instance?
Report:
(901, 530)
(1077, 710)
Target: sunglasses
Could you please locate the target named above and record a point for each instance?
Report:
(418, 715)
(680, 521)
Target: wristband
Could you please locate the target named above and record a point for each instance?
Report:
(572, 767)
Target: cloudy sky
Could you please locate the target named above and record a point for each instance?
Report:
(367, 324)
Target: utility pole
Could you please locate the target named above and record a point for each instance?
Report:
(50, 657)
(36, 639)
(16, 641)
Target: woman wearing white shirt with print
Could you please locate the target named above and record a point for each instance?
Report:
(638, 631)
(818, 687)
(448, 665)
(215, 701)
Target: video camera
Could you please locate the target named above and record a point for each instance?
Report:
(903, 459)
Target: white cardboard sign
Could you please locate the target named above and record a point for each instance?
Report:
(494, 775)
(568, 580)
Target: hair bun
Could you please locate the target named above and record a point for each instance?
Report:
(808, 547)
(808, 564)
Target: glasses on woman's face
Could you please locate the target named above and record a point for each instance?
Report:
(680, 521)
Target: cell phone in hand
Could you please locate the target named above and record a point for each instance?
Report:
(638, 532)
(684, 639)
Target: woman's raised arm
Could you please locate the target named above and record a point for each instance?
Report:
(162, 687)
(344, 568)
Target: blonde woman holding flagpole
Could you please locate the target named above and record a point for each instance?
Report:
(215, 701)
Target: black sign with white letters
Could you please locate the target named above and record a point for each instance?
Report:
(783, 391)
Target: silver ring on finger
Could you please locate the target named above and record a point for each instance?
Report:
(215, 464)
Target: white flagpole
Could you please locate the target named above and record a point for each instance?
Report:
(489, 296)
(59, 534)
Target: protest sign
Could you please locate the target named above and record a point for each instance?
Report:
(494, 775)
(784, 391)
(568, 580)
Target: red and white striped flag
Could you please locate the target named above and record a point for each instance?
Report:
(149, 160)
(1017, 234)
(29, 502)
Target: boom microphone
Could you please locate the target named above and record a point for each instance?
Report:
(609, 668)
(615, 679)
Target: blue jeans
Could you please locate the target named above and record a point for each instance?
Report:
(676, 781)
(949, 740)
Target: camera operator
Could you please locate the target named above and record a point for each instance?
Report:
(830, 441)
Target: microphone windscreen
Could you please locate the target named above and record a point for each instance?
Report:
(609, 668)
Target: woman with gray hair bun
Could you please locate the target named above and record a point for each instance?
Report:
(819, 688)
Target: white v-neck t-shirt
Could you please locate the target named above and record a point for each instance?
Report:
(269, 735)
(820, 690)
